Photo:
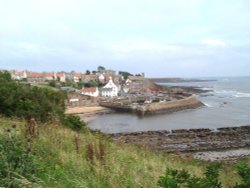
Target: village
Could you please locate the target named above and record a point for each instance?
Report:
(120, 91)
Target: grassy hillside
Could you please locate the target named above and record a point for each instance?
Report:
(59, 157)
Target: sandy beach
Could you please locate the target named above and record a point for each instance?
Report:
(84, 109)
(88, 113)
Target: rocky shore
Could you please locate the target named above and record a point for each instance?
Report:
(189, 140)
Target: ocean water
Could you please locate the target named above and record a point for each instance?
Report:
(227, 105)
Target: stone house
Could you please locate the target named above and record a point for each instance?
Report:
(93, 91)
(89, 77)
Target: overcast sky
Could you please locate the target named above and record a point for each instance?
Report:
(185, 38)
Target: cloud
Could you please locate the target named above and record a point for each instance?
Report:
(158, 37)
(130, 45)
(213, 42)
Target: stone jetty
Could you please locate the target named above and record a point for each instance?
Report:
(190, 102)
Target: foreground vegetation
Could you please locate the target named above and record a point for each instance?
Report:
(26, 101)
(61, 157)
(41, 147)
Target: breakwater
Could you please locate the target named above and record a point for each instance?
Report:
(190, 102)
(189, 140)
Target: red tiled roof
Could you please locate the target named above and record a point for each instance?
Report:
(35, 74)
(20, 73)
(60, 74)
(39, 74)
(77, 74)
(88, 90)
(48, 74)
(89, 76)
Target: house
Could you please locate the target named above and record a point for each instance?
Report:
(89, 77)
(75, 99)
(135, 83)
(76, 76)
(49, 75)
(35, 77)
(93, 92)
(101, 78)
(60, 76)
(110, 89)
(19, 75)
(40, 77)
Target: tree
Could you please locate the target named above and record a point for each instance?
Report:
(87, 72)
(125, 74)
(25, 101)
(52, 83)
(100, 68)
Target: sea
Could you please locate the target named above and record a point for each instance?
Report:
(226, 104)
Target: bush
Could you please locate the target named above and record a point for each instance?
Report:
(52, 83)
(176, 179)
(75, 123)
(24, 101)
(244, 172)
(16, 160)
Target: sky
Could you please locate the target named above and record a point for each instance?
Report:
(162, 38)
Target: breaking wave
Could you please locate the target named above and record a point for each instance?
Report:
(242, 95)
(207, 105)
(232, 93)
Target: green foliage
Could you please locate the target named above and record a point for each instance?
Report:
(68, 82)
(16, 160)
(125, 74)
(176, 179)
(75, 123)
(100, 68)
(93, 83)
(80, 85)
(52, 83)
(244, 171)
(24, 101)
(212, 174)
(173, 178)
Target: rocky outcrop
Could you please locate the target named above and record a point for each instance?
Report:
(185, 140)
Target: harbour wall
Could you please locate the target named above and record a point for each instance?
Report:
(190, 102)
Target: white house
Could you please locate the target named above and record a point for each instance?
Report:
(60, 76)
(19, 75)
(101, 78)
(110, 89)
(93, 92)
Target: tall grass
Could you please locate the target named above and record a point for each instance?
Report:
(65, 159)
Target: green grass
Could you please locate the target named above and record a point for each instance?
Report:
(59, 164)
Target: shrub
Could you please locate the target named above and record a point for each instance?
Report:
(244, 172)
(24, 101)
(176, 179)
(16, 160)
(75, 123)
(52, 83)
